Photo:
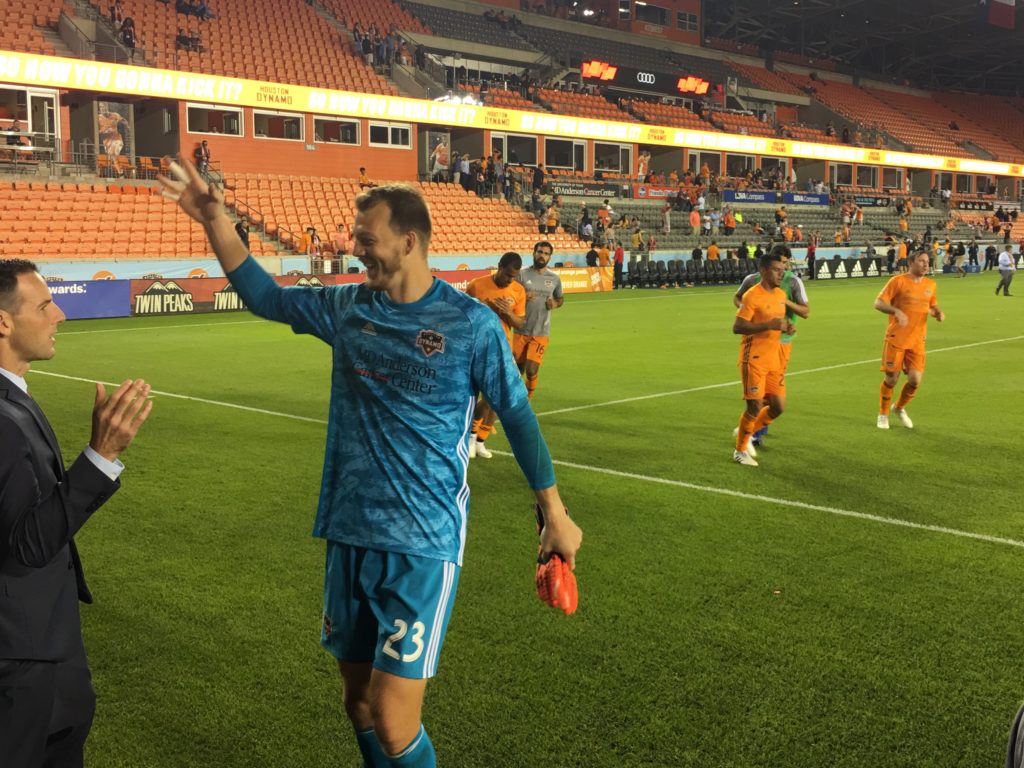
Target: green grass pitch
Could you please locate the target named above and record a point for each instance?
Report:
(714, 629)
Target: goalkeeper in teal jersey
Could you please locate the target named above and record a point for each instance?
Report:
(796, 306)
(410, 353)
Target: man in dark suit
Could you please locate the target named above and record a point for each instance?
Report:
(46, 695)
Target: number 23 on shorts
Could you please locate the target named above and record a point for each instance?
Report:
(413, 646)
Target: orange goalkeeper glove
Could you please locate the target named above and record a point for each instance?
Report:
(556, 583)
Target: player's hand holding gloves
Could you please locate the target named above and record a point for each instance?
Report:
(556, 583)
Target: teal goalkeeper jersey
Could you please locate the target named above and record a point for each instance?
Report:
(404, 383)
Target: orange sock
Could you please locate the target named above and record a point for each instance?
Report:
(476, 425)
(886, 399)
(763, 419)
(746, 430)
(906, 395)
(531, 386)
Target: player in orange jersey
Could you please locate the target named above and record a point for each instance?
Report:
(507, 297)
(761, 319)
(908, 300)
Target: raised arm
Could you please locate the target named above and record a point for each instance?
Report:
(203, 201)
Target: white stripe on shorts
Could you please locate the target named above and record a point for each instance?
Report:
(434, 643)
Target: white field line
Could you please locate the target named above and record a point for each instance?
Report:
(157, 327)
(789, 503)
(663, 481)
(734, 383)
(221, 403)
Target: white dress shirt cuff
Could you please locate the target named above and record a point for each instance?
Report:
(111, 469)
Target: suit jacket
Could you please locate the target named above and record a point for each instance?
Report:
(42, 506)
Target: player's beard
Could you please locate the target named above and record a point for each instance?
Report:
(380, 270)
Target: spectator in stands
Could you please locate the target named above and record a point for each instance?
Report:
(728, 222)
(116, 14)
(182, 6)
(128, 35)
(182, 41)
(591, 257)
(830, 130)
(697, 254)
(716, 222)
(242, 228)
(195, 41)
(551, 218)
(202, 157)
(465, 178)
(714, 251)
(846, 135)
(364, 180)
(618, 264)
(341, 240)
(1007, 233)
(13, 139)
(538, 177)
(706, 225)
(666, 218)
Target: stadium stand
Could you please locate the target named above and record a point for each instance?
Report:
(580, 104)
(937, 118)
(762, 78)
(499, 96)
(1000, 114)
(20, 29)
(807, 133)
(383, 14)
(242, 42)
(865, 109)
(471, 27)
(667, 114)
(98, 221)
(732, 122)
(733, 46)
(463, 221)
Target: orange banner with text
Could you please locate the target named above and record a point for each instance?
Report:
(104, 77)
(585, 279)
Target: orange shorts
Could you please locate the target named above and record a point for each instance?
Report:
(529, 348)
(895, 359)
(784, 352)
(759, 383)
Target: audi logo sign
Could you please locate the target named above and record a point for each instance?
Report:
(645, 77)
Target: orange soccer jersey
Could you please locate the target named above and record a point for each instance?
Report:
(759, 306)
(914, 299)
(485, 290)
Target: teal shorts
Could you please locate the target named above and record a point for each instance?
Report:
(387, 608)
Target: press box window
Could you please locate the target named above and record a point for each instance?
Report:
(335, 131)
(278, 125)
(225, 121)
(652, 14)
(389, 135)
(686, 21)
